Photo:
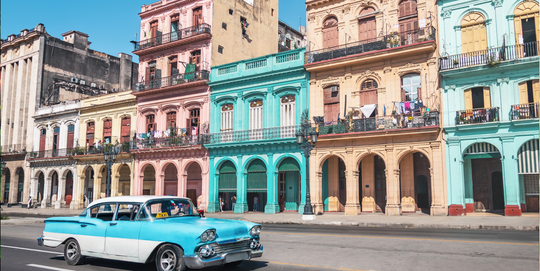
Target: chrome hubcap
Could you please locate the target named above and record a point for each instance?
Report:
(71, 250)
(168, 260)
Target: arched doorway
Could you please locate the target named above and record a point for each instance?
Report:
(415, 183)
(256, 186)
(149, 181)
(7, 183)
(372, 184)
(68, 188)
(528, 170)
(334, 188)
(481, 164)
(288, 185)
(227, 184)
(171, 180)
(41, 187)
(88, 188)
(194, 182)
(20, 184)
(54, 183)
(124, 182)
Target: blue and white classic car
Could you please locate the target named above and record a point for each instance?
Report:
(142, 229)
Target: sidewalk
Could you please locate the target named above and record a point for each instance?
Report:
(527, 222)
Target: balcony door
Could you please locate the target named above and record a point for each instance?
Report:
(477, 98)
(288, 115)
(42, 141)
(107, 131)
(367, 25)
(124, 134)
(473, 33)
(90, 129)
(226, 122)
(330, 32)
(153, 29)
(255, 119)
(368, 95)
(331, 103)
(150, 123)
(408, 22)
(70, 136)
(192, 124)
(197, 16)
(174, 27)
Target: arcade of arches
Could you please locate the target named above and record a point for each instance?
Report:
(92, 182)
(402, 179)
(53, 187)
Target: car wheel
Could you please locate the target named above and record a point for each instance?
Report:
(233, 264)
(169, 258)
(72, 252)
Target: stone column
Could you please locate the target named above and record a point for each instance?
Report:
(455, 179)
(115, 179)
(353, 206)
(272, 205)
(60, 196)
(183, 185)
(438, 186)
(393, 206)
(46, 193)
(97, 185)
(510, 178)
(79, 193)
(33, 189)
(204, 186)
(213, 177)
(160, 184)
(316, 187)
(241, 188)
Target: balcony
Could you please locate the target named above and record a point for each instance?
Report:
(524, 111)
(265, 134)
(78, 151)
(491, 57)
(13, 149)
(172, 39)
(475, 116)
(182, 79)
(390, 42)
(381, 124)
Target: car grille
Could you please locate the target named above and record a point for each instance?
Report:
(231, 247)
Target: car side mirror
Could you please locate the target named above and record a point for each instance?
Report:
(201, 213)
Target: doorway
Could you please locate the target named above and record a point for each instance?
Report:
(380, 185)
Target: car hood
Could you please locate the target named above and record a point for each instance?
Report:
(225, 229)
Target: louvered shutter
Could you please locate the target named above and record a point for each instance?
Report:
(487, 98)
(468, 99)
(523, 93)
(536, 92)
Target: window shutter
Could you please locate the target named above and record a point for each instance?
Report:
(403, 95)
(468, 99)
(517, 26)
(535, 86)
(419, 93)
(481, 42)
(523, 93)
(147, 74)
(487, 98)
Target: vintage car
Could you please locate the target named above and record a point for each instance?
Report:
(142, 229)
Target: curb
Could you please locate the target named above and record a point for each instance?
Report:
(400, 225)
(13, 222)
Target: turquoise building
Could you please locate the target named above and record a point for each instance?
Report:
(256, 105)
(489, 67)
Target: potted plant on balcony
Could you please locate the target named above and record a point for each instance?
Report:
(456, 62)
(77, 151)
(493, 61)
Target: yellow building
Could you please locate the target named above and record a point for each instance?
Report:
(104, 121)
(374, 87)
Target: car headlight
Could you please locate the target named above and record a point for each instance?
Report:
(255, 230)
(208, 235)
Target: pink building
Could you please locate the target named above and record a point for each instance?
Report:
(178, 44)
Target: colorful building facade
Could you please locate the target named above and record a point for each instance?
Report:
(256, 106)
(374, 92)
(179, 42)
(489, 68)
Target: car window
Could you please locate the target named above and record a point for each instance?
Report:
(84, 213)
(127, 211)
(167, 208)
(104, 212)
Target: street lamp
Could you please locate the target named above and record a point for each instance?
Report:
(3, 163)
(110, 157)
(303, 137)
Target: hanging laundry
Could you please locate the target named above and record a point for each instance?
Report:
(368, 109)
(407, 107)
(420, 104)
(402, 106)
(166, 133)
(384, 110)
(398, 107)
(194, 130)
(411, 105)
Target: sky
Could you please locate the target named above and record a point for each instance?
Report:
(110, 24)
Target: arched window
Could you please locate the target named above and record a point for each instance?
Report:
(367, 27)
(526, 27)
(42, 139)
(125, 130)
(331, 103)
(330, 32)
(70, 136)
(150, 123)
(227, 117)
(107, 131)
(192, 124)
(473, 33)
(171, 120)
(368, 95)
(408, 22)
(90, 129)
(410, 87)
(256, 114)
(288, 110)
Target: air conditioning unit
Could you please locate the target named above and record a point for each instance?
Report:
(93, 85)
(82, 82)
(74, 80)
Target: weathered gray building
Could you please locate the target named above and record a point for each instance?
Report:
(38, 69)
(290, 38)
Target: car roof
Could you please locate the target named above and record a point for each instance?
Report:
(132, 199)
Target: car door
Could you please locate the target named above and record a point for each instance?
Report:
(93, 229)
(122, 236)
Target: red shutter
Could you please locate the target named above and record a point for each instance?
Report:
(330, 33)
(197, 16)
(125, 131)
(90, 128)
(188, 126)
(107, 128)
(153, 29)
(367, 29)
(70, 139)
(42, 140)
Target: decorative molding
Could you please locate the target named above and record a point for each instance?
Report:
(381, 90)
(503, 80)
(446, 13)
(449, 87)
(387, 70)
(497, 3)
(368, 74)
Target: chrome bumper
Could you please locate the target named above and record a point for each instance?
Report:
(40, 241)
(195, 262)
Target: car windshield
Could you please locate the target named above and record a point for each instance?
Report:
(165, 208)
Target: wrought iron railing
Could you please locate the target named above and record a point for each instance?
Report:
(251, 135)
(13, 148)
(167, 142)
(479, 115)
(524, 111)
(173, 36)
(395, 39)
(391, 122)
(172, 80)
(491, 57)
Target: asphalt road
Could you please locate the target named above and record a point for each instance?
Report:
(304, 247)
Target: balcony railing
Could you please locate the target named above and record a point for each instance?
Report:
(524, 111)
(251, 135)
(382, 123)
(168, 142)
(491, 57)
(13, 148)
(480, 115)
(379, 43)
(173, 36)
(88, 150)
(177, 79)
